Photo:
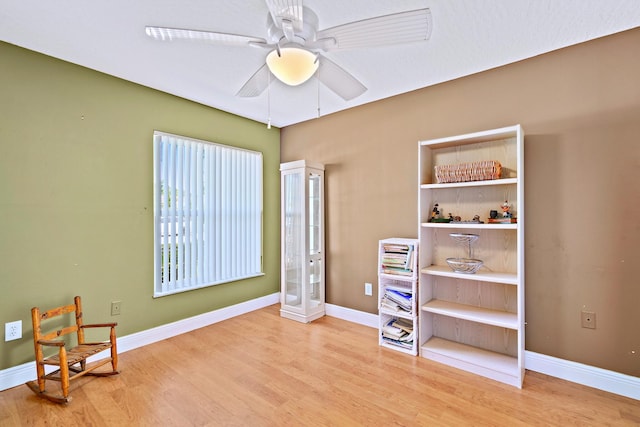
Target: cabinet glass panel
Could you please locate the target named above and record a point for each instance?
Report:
(316, 269)
(315, 289)
(294, 238)
(314, 214)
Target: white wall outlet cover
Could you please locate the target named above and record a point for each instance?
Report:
(368, 289)
(13, 330)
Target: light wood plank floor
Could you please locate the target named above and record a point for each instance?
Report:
(261, 370)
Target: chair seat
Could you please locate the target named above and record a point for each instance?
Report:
(78, 353)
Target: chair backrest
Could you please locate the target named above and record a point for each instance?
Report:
(38, 316)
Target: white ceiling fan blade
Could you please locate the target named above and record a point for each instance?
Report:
(403, 27)
(286, 14)
(339, 80)
(256, 83)
(170, 34)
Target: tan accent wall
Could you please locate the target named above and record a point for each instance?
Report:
(580, 109)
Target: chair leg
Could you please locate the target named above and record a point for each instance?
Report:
(114, 350)
(64, 373)
(41, 380)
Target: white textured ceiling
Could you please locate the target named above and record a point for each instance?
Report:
(468, 36)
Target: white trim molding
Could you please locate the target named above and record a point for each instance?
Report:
(169, 330)
(17, 375)
(602, 379)
(351, 315)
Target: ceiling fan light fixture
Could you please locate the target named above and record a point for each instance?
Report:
(293, 65)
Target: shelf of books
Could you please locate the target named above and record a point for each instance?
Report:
(397, 294)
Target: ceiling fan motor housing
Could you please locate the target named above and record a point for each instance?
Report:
(307, 34)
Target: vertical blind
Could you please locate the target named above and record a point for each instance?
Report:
(207, 212)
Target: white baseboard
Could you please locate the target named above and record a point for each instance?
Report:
(140, 339)
(612, 382)
(602, 379)
(351, 315)
(18, 375)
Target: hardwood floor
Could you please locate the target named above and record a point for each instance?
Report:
(261, 370)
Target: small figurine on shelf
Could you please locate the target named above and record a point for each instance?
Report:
(458, 219)
(506, 217)
(435, 213)
(506, 208)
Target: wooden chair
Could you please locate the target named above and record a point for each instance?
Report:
(72, 359)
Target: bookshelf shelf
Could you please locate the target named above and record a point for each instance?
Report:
(472, 313)
(403, 314)
(470, 226)
(490, 364)
(397, 277)
(397, 294)
(473, 321)
(504, 181)
(496, 277)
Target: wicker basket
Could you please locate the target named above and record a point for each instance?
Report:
(465, 172)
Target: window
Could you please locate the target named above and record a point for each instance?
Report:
(207, 213)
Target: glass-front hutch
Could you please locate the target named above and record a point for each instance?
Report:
(302, 245)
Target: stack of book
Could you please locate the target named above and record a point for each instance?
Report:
(399, 332)
(395, 300)
(397, 259)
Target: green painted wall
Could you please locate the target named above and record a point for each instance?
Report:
(76, 213)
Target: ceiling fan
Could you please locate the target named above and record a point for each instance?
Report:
(295, 44)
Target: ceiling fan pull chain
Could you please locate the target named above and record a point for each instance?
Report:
(269, 101)
(318, 97)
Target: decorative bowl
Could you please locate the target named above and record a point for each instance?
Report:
(464, 238)
(464, 265)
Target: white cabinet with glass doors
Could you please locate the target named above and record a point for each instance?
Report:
(302, 241)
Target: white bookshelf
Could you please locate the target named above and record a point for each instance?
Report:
(405, 281)
(473, 321)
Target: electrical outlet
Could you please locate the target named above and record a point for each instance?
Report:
(368, 289)
(116, 308)
(13, 330)
(589, 319)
